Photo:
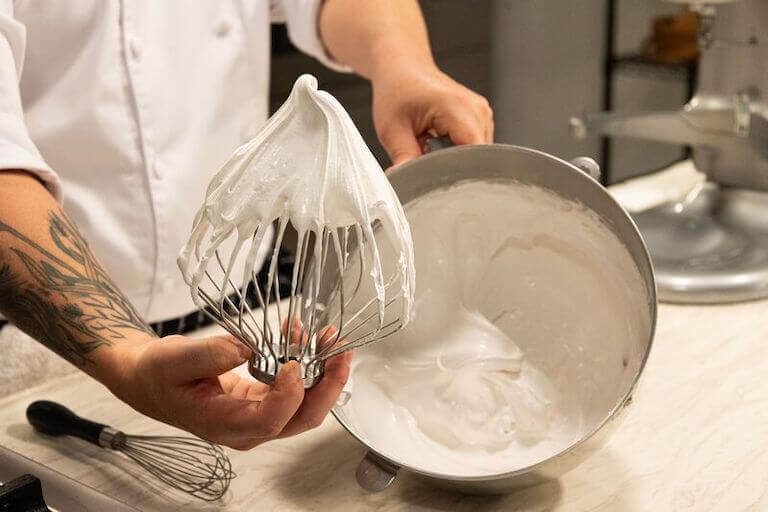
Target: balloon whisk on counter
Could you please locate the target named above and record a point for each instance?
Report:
(188, 464)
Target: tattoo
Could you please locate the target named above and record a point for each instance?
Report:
(70, 304)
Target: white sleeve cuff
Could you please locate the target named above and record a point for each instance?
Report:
(17, 151)
(17, 158)
(301, 17)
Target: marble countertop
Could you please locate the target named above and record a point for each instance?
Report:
(694, 439)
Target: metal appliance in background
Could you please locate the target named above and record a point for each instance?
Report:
(712, 246)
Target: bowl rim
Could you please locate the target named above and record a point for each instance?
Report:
(623, 400)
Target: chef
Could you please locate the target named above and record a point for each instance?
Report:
(114, 115)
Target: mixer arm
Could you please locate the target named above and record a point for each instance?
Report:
(708, 120)
(712, 127)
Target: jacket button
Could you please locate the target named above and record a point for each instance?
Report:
(222, 28)
(134, 46)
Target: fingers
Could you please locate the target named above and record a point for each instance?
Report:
(297, 330)
(467, 120)
(278, 407)
(243, 424)
(237, 414)
(243, 387)
(327, 338)
(400, 142)
(319, 399)
(486, 118)
(484, 114)
(470, 117)
(298, 338)
(182, 359)
(465, 130)
(289, 416)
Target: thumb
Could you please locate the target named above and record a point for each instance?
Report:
(207, 357)
(400, 142)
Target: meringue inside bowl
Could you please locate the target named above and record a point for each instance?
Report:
(530, 327)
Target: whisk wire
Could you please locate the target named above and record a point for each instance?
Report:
(310, 306)
(296, 295)
(242, 304)
(206, 481)
(187, 464)
(183, 463)
(268, 339)
(369, 337)
(223, 321)
(338, 281)
(342, 256)
(320, 263)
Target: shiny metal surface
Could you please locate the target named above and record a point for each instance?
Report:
(325, 259)
(111, 438)
(375, 474)
(588, 165)
(498, 163)
(712, 247)
(60, 492)
(726, 122)
(730, 141)
(718, 256)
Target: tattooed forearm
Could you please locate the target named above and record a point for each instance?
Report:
(65, 299)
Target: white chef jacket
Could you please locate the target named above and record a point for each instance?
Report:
(126, 108)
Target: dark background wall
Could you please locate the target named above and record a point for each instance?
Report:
(538, 62)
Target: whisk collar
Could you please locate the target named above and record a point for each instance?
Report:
(112, 438)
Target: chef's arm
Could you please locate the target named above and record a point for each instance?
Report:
(372, 36)
(52, 287)
(386, 42)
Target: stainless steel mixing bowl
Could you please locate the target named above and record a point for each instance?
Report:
(569, 180)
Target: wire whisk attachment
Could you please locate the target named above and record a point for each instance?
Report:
(333, 303)
(188, 464)
(353, 275)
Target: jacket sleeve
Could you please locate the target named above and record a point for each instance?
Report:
(17, 151)
(301, 17)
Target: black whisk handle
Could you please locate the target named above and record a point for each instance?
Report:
(56, 420)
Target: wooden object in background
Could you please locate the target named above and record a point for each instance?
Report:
(674, 39)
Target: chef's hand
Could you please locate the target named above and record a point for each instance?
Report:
(188, 383)
(412, 101)
(387, 43)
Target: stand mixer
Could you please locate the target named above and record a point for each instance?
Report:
(712, 245)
